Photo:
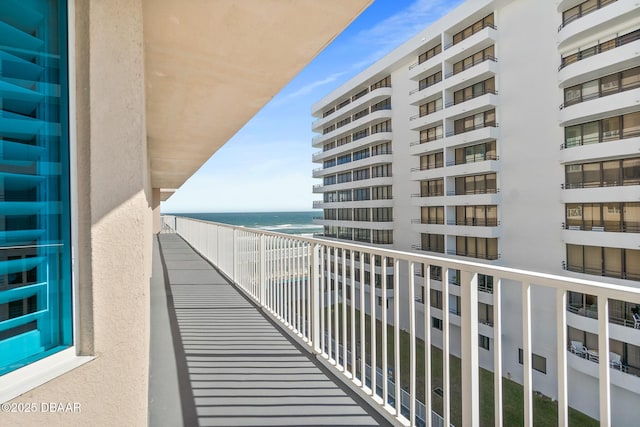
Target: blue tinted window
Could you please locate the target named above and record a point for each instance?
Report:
(35, 266)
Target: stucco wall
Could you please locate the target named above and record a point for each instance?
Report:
(114, 226)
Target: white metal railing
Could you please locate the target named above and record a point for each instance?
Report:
(300, 281)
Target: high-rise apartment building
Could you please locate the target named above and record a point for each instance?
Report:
(507, 133)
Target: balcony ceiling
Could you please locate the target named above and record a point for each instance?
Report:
(211, 65)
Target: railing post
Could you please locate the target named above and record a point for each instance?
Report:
(262, 280)
(526, 354)
(234, 242)
(561, 316)
(315, 298)
(603, 360)
(469, 360)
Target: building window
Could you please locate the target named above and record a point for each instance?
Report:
(483, 342)
(485, 314)
(487, 21)
(360, 114)
(600, 48)
(609, 173)
(582, 9)
(432, 161)
(430, 80)
(608, 85)
(330, 214)
(485, 283)
(477, 215)
(604, 261)
(382, 214)
(435, 272)
(360, 94)
(430, 107)
(382, 105)
(343, 104)
(361, 214)
(329, 180)
(435, 299)
(382, 193)
(381, 171)
(477, 247)
(476, 184)
(432, 215)
(616, 217)
(329, 163)
(381, 127)
(344, 177)
(385, 82)
(344, 196)
(328, 112)
(361, 194)
(360, 174)
(35, 284)
(360, 134)
(476, 153)
(344, 159)
(476, 121)
(328, 129)
(432, 242)
(475, 59)
(436, 323)
(609, 129)
(432, 188)
(344, 214)
(538, 363)
(475, 90)
(430, 53)
(431, 134)
(362, 235)
(361, 154)
(383, 237)
(381, 149)
(343, 140)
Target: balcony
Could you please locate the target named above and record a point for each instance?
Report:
(263, 291)
(596, 20)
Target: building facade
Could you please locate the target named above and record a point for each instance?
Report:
(510, 136)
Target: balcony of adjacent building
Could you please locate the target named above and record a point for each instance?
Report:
(362, 100)
(236, 300)
(615, 94)
(612, 53)
(588, 18)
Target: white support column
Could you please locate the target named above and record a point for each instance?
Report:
(372, 307)
(561, 346)
(469, 360)
(426, 273)
(412, 344)
(446, 372)
(235, 255)
(384, 355)
(526, 354)
(603, 360)
(314, 316)
(497, 351)
(396, 333)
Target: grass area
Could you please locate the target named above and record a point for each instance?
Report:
(545, 411)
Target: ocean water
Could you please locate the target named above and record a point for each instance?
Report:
(299, 223)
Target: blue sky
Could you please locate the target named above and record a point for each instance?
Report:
(267, 165)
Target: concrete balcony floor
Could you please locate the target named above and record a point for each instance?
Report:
(217, 360)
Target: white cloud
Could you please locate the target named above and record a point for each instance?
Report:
(398, 28)
(309, 87)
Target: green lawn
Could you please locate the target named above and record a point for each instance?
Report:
(545, 411)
